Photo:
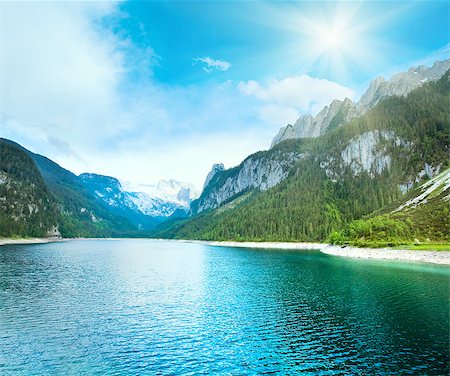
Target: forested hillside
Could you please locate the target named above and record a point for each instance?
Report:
(77, 214)
(343, 175)
(26, 207)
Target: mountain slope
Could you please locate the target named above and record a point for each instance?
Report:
(346, 173)
(26, 207)
(92, 205)
(367, 140)
(80, 214)
(422, 216)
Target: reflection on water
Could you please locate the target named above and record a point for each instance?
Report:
(136, 306)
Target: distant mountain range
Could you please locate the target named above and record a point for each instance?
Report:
(144, 205)
(85, 205)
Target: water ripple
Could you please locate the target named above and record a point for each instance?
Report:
(165, 308)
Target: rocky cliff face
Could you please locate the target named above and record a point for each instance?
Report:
(255, 172)
(340, 112)
(366, 152)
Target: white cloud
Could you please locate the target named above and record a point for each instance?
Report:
(211, 64)
(296, 94)
(56, 69)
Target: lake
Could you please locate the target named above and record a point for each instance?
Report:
(163, 307)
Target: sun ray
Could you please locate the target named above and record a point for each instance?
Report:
(340, 41)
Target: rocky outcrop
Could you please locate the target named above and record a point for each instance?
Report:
(54, 233)
(217, 167)
(313, 126)
(254, 173)
(401, 84)
(340, 112)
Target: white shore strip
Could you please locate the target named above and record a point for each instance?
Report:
(433, 257)
(6, 241)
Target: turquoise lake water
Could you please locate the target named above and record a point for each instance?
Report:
(143, 307)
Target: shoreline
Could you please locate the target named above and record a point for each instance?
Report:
(8, 241)
(431, 257)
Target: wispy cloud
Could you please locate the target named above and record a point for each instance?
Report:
(211, 64)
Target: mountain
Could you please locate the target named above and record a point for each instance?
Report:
(304, 189)
(26, 206)
(340, 112)
(109, 191)
(264, 170)
(143, 205)
(259, 171)
(163, 199)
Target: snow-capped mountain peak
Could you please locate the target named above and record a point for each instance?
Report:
(166, 190)
(141, 202)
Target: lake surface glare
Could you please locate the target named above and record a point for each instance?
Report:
(134, 307)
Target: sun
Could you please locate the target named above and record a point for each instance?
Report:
(331, 40)
(341, 41)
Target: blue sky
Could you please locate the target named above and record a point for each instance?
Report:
(163, 89)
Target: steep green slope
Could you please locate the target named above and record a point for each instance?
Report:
(333, 183)
(26, 207)
(79, 213)
(422, 216)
